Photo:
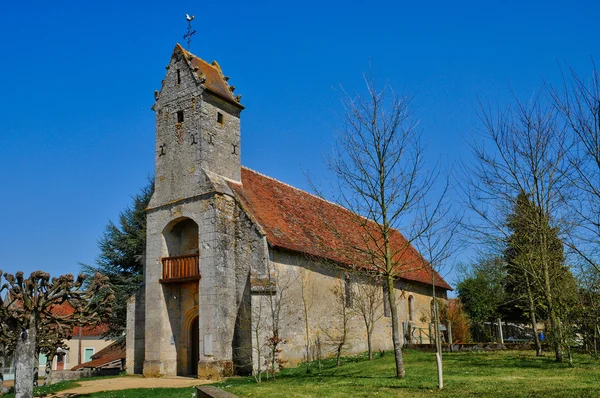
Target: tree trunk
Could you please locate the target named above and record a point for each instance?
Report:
(25, 361)
(369, 346)
(438, 343)
(554, 320)
(400, 372)
(1, 367)
(48, 371)
(532, 318)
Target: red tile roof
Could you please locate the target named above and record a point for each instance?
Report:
(214, 80)
(65, 309)
(296, 220)
(114, 352)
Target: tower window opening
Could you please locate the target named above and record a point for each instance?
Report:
(178, 76)
(219, 118)
(179, 116)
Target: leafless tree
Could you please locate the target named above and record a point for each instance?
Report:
(338, 330)
(578, 102)
(438, 244)
(524, 152)
(283, 282)
(368, 304)
(8, 337)
(30, 308)
(307, 296)
(381, 175)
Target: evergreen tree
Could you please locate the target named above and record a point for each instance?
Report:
(537, 278)
(482, 294)
(122, 256)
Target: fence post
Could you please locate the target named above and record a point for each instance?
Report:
(450, 340)
(500, 336)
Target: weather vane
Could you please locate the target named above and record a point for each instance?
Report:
(190, 32)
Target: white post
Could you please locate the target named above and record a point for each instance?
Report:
(500, 331)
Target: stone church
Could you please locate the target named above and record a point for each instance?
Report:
(227, 245)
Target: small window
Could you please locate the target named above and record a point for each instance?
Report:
(179, 116)
(178, 76)
(219, 118)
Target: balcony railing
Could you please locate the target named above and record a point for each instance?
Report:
(179, 269)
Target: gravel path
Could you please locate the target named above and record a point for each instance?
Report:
(126, 383)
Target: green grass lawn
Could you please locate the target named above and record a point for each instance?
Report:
(492, 374)
(480, 374)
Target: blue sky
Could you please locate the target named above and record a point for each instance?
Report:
(77, 132)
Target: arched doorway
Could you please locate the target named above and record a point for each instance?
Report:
(194, 345)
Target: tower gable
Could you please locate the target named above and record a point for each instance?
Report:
(197, 128)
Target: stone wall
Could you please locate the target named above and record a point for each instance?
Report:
(62, 375)
(190, 137)
(310, 285)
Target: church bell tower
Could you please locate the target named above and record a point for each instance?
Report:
(197, 127)
(190, 271)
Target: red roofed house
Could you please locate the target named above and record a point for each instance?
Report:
(83, 344)
(224, 242)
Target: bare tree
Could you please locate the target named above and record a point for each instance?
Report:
(368, 304)
(438, 244)
(578, 102)
(338, 330)
(283, 282)
(30, 308)
(525, 152)
(8, 337)
(307, 296)
(379, 166)
(52, 333)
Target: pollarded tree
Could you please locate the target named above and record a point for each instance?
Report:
(30, 310)
(379, 166)
(122, 256)
(8, 337)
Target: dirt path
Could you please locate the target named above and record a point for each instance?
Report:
(126, 383)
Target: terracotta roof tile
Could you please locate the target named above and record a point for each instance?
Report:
(65, 309)
(213, 78)
(296, 220)
(111, 353)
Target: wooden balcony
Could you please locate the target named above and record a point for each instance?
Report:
(179, 269)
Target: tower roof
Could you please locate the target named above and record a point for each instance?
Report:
(210, 76)
(295, 220)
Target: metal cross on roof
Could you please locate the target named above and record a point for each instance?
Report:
(190, 32)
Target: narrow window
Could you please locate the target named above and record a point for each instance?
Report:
(348, 290)
(219, 118)
(88, 352)
(178, 76)
(411, 304)
(179, 116)
(387, 312)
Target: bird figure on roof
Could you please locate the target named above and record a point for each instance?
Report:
(190, 19)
